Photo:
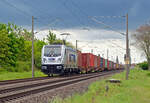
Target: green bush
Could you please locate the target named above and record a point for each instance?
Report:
(2, 69)
(23, 66)
(143, 65)
(10, 69)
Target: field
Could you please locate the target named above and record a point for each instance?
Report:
(19, 75)
(134, 90)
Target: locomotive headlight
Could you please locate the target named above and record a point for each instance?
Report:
(44, 67)
(59, 60)
(59, 67)
(44, 60)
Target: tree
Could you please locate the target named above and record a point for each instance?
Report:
(51, 37)
(11, 45)
(38, 49)
(4, 48)
(142, 41)
(27, 35)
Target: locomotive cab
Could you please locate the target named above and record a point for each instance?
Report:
(52, 58)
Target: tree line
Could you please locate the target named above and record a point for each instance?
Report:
(16, 48)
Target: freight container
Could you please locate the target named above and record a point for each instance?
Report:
(79, 60)
(109, 65)
(87, 62)
(91, 60)
(115, 66)
(106, 64)
(98, 63)
(118, 66)
(95, 62)
(102, 63)
(112, 65)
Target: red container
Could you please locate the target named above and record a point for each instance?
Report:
(95, 62)
(88, 61)
(98, 63)
(79, 59)
(108, 65)
(103, 64)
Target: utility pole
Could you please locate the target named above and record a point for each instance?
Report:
(32, 47)
(76, 44)
(64, 42)
(117, 60)
(127, 49)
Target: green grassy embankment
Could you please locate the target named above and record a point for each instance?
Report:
(134, 90)
(19, 75)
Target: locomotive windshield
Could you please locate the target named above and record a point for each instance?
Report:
(52, 51)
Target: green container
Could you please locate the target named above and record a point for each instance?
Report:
(105, 63)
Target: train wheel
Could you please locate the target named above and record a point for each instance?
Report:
(50, 75)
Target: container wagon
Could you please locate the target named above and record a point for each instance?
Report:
(102, 63)
(106, 64)
(79, 62)
(95, 63)
(109, 65)
(98, 63)
(87, 62)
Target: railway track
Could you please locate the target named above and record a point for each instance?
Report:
(22, 91)
(22, 80)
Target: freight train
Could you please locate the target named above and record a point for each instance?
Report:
(60, 59)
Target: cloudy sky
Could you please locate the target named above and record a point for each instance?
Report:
(74, 17)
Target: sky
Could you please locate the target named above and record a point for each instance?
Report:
(75, 17)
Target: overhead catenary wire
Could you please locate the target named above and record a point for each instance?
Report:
(21, 11)
(107, 26)
(109, 16)
(71, 12)
(100, 22)
(81, 10)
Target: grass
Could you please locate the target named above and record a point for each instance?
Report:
(134, 90)
(19, 75)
